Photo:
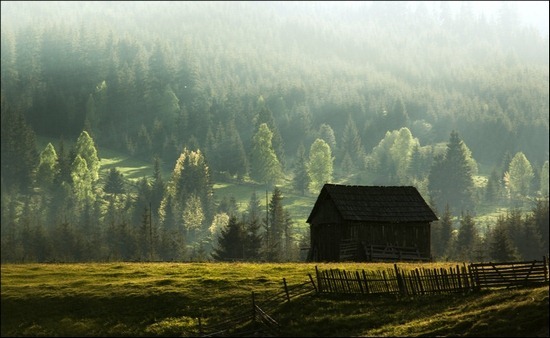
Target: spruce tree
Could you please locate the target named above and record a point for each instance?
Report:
(319, 167)
(85, 148)
(451, 181)
(300, 181)
(264, 164)
(231, 242)
(501, 247)
(114, 183)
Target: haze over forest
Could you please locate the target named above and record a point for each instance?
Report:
(381, 89)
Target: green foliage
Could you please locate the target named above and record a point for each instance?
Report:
(85, 148)
(319, 165)
(519, 177)
(300, 181)
(450, 179)
(231, 242)
(114, 183)
(47, 167)
(544, 173)
(264, 164)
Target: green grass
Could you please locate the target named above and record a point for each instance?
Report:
(166, 299)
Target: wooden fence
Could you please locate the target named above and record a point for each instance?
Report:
(256, 320)
(459, 279)
(396, 281)
(510, 274)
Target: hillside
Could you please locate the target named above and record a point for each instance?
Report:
(166, 299)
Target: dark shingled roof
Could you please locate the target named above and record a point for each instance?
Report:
(376, 203)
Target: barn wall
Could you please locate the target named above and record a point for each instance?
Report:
(398, 234)
(325, 238)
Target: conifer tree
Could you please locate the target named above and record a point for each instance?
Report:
(520, 176)
(264, 164)
(85, 148)
(467, 237)
(47, 167)
(231, 242)
(450, 179)
(319, 166)
(300, 181)
(544, 173)
(501, 247)
(114, 183)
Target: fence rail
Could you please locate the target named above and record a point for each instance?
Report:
(396, 281)
(459, 279)
(509, 274)
(233, 326)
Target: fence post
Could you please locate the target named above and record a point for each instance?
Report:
(253, 308)
(319, 284)
(286, 290)
(545, 261)
(400, 283)
(312, 282)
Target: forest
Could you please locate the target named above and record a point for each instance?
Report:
(282, 96)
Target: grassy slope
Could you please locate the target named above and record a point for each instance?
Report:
(165, 299)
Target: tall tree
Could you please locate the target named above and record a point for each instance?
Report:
(467, 237)
(47, 167)
(275, 224)
(450, 180)
(264, 164)
(230, 242)
(520, 176)
(319, 167)
(85, 148)
(300, 181)
(265, 115)
(501, 248)
(82, 180)
(114, 183)
(19, 155)
(544, 173)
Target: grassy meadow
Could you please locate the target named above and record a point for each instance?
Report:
(167, 299)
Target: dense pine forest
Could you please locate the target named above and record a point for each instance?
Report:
(280, 96)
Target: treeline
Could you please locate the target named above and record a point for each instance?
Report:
(514, 236)
(70, 213)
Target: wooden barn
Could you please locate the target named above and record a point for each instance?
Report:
(369, 223)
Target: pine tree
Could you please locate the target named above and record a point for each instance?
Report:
(18, 150)
(544, 173)
(319, 167)
(540, 217)
(231, 242)
(47, 167)
(501, 248)
(351, 143)
(265, 115)
(114, 183)
(85, 148)
(445, 233)
(82, 180)
(467, 237)
(274, 241)
(300, 180)
(520, 176)
(451, 181)
(157, 190)
(264, 164)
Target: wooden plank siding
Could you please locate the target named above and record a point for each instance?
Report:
(352, 223)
